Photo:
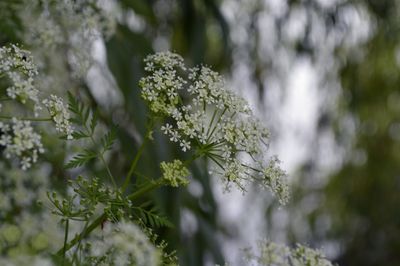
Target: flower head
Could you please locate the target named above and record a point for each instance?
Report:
(202, 114)
(174, 173)
(126, 244)
(18, 66)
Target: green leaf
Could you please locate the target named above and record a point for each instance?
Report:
(79, 134)
(81, 159)
(86, 113)
(108, 140)
(73, 104)
(153, 218)
(93, 121)
(81, 112)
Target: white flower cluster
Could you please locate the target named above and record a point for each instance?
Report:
(20, 140)
(21, 189)
(70, 24)
(60, 115)
(18, 66)
(175, 173)
(202, 113)
(271, 253)
(123, 244)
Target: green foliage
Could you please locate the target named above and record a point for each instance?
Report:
(152, 217)
(82, 114)
(81, 159)
(108, 140)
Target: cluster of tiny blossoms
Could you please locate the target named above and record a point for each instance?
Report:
(271, 253)
(21, 141)
(125, 244)
(175, 173)
(18, 66)
(68, 24)
(60, 115)
(202, 114)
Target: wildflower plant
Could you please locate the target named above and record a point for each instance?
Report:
(99, 218)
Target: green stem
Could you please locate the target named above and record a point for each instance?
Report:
(212, 121)
(216, 124)
(102, 159)
(26, 118)
(193, 158)
(65, 240)
(75, 256)
(133, 165)
(153, 185)
(83, 234)
(142, 191)
(147, 137)
(101, 218)
(108, 170)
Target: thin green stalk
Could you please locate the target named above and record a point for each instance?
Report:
(147, 136)
(133, 165)
(75, 256)
(65, 239)
(108, 170)
(211, 121)
(194, 157)
(83, 234)
(102, 158)
(216, 124)
(215, 161)
(153, 185)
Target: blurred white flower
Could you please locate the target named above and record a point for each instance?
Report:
(60, 115)
(270, 253)
(17, 65)
(21, 141)
(122, 244)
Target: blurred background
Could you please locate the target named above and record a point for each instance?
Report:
(323, 75)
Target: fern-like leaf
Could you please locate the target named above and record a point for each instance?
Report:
(152, 218)
(108, 140)
(81, 112)
(93, 121)
(81, 159)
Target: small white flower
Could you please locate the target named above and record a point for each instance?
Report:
(166, 129)
(185, 145)
(174, 136)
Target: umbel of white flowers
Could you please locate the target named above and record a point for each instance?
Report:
(21, 141)
(201, 114)
(18, 66)
(123, 243)
(271, 253)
